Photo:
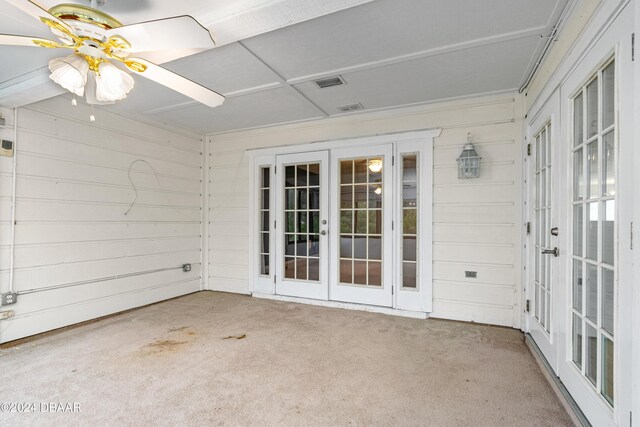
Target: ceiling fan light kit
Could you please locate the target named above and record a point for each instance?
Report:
(70, 72)
(100, 43)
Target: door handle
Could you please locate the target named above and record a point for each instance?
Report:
(323, 232)
(555, 252)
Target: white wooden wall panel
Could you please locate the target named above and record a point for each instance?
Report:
(474, 221)
(72, 195)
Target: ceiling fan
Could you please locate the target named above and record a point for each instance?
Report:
(104, 50)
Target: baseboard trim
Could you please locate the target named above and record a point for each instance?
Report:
(560, 390)
(346, 305)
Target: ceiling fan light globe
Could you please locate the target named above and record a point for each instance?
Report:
(70, 72)
(112, 84)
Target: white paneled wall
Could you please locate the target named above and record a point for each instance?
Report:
(72, 194)
(475, 225)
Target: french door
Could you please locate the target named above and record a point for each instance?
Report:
(596, 358)
(301, 226)
(347, 221)
(362, 244)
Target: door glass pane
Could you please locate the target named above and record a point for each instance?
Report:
(578, 175)
(592, 231)
(578, 133)
(361, 220)
(577, 341)
(314, 269)
(346, 172)
(360, 272)
(608, 228)
(346, 221)
(409, 221)
(592, 292)
(592, 354)
(289, 267)
(314, 174)
(346, 196)
(592, 169)
(592, 108)
(608, 164)
(301, 268)
(290, 176)
(301, 175)
(608, 79)
(577, 285)
(290, 222)
(375, 248)
(543, 307)
(607, 369)
(607, 300)
(409, 249)
(578, 222)
(374, 276)
(360, 171)
(408, 274)
(345, 271)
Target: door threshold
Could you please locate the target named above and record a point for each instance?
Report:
(347, 305)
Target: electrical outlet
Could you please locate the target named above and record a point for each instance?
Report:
(8, 298)
(6, 314)
(6, 148)
(186, 267)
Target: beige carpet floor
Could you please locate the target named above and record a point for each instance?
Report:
(221, 359)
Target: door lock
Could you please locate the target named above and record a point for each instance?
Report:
(555, 252)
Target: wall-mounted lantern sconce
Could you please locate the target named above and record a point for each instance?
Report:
(469, 161)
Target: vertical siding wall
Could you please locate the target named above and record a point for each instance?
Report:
(72, 195)
(476, 222)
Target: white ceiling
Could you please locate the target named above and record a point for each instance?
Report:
(391, 53)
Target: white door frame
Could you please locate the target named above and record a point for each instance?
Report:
(423, 139)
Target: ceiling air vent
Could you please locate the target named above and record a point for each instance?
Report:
(351, 107)
(330, 81)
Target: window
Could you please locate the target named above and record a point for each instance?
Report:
(265, 220)
(410, 218)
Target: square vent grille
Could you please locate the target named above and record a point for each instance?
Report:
(329, 82)
(351, 107)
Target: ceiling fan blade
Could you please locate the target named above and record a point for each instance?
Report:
(162, 56)
(178, 36)
(11, 40)
(174, 81)
(38, 12)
